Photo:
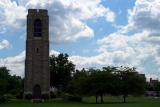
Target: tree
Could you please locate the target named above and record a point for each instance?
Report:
(75, 85)
(61, 70)
(100, 84)
(9, 84)
(93, 82)
(4, 77)
(110, 80)
(131, 83)
(157, 88)
(15, 85)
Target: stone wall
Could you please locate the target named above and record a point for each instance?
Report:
(37, 53)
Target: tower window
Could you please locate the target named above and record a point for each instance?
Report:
(37, 28)
(37, 50)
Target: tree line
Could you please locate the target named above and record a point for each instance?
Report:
(11, 86)
(117, 81)
(110, 80)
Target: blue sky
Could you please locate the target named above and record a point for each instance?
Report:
(95, 33)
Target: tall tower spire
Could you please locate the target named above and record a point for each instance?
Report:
(37, 75)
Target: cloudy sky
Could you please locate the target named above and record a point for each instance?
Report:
(95, 33)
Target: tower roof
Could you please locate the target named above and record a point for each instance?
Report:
(38, 11)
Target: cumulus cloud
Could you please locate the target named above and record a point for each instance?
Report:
(12, 15)
(4, 44)
(54, 52)
(136, 44)
(15, 63)
(141, 35)
(123, 50)
(67, 17)
(144, 16)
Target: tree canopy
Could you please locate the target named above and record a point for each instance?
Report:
(61, 70)
(108, 81)
(9, 84)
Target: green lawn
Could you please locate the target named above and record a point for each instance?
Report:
(89, 102)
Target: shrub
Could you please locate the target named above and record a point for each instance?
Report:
(19, 95)
(72, 98)
(52, 95)
(9, 96)
(45, 96)
(28, 96)
(3, 99)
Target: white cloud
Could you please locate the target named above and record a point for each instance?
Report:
(123, 50)
(136, 44)
(144, 16)
(101, 59)
(53, 52)
(4, 44)
(15, 63)
(141, 36)
(67, 17)
(11, 14)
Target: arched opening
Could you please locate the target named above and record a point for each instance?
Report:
(37, 92)
(37, 50)
(37, 28)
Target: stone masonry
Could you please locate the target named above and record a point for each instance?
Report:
(37, 53)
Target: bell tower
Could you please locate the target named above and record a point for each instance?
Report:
(37, 75)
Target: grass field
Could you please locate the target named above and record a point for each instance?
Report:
(89, 102)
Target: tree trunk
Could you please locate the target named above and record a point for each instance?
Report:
(124, 98)
(102, 101)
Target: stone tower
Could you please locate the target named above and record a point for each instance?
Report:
(37, 75)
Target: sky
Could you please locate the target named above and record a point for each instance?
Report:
(94, 33)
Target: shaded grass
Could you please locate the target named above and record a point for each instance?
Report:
(89, 102)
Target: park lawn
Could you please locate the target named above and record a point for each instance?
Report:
(90, 102)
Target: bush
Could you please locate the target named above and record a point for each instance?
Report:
(45, 96)
(9, 96)
(3, 99)
(19, 95)
(28, 96)
(52, 95)
(72, 98)
(60, 94)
